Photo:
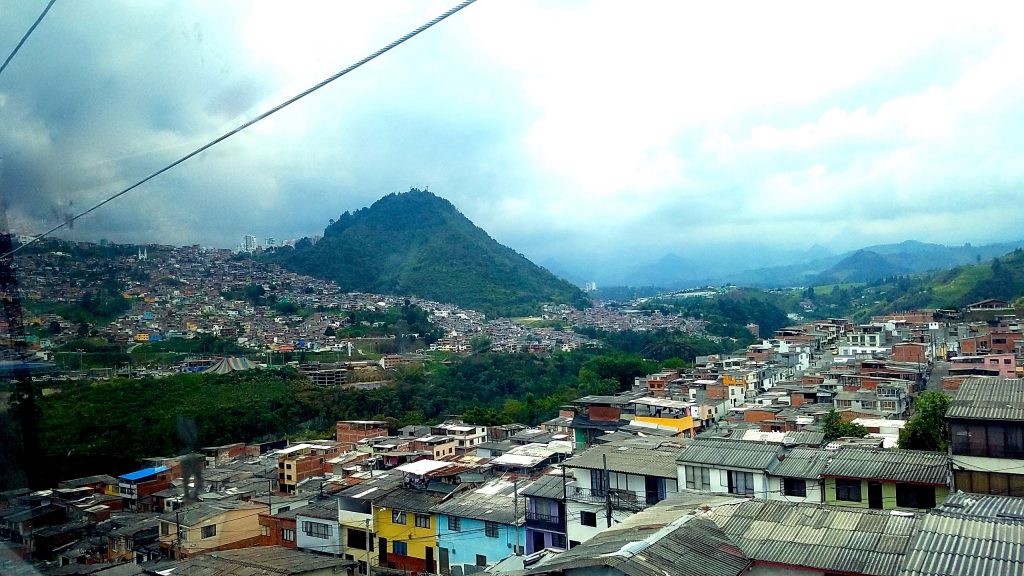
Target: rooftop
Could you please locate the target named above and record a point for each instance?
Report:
(989, 399)
(411, 499)
(688, 544)
(197, 513)
(896, 465)
(969, 534)
(844, 540)
(144, 473)
(730, 453)
(259, 561)
(547, 486)
(496, 501)
(628, 460)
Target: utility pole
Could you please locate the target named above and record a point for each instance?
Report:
(369, 541)
(607, 491)
(515, 517)
(177, 532)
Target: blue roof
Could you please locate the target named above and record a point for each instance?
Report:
(140, 474)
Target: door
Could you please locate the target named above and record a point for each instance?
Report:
(430, 560)
(538, 541)
(382, 551)
(875, 495)
(442, 554)
(655, 488)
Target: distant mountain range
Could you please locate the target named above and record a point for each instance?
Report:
(418, 244)
(863, 265)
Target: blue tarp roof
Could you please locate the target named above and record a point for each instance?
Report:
(139, 474)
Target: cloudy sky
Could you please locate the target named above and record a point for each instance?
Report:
(577, 132)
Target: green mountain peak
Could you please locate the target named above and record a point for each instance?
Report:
(418, 244)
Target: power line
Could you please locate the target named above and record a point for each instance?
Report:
(247, 124)
(25, 37)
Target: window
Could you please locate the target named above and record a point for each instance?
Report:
(481, 560)
(698, 478)
(422, 520)
(491, 529)
(400, 548)
(454, 523)
(356, 539)
(794, 487)
(264, 530)
(558, 541)
(588, 518)
(398, 516)
(915, 496)
(847, 490)
(741, 483)
(287, 534)
(316, 529)
(165, 528)
(598, 482)
(209, 531)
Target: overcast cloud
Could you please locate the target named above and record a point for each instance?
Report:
(586, 132)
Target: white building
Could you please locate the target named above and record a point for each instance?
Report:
(619, 479)
(317, 528)
(727, 466)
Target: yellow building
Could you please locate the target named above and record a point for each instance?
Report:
(208, 527)
(406, 529)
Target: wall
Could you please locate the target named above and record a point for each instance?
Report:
(720, 480)
(235, 529)
(470, 540)
(815, 491)
(417, 539)
(329, 545)
(577, 532)
(888, 495)
(682, 424)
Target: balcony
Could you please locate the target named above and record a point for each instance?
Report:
(620, 499)
(544, 521)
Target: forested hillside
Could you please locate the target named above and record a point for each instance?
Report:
(418, 244)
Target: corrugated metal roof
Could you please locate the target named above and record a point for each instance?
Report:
(548, 486)
(981, 506)
(989, 399)
(259, 561)
(145, 472)
(818, 537)
(806, 463)
(945, 545)
(496, 501)
(629, 460)
(689, 545)
(410, 499)
(896, 465)
(725, 453)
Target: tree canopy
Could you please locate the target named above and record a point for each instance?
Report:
(927, 428)
(833, 426)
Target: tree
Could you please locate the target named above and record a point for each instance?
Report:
(834, 427)
(927, 429)
(54, 327)
(329, 331)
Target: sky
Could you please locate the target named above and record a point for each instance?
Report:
(586, 135)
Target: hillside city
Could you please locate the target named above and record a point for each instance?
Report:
(893, 445)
